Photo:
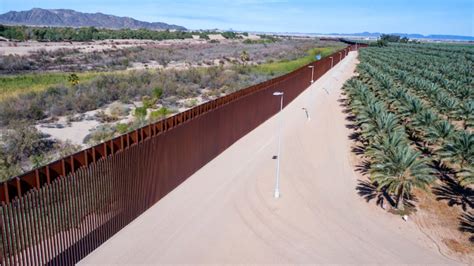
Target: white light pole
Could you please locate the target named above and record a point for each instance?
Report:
(340, 56)
(277, 185)
(332, 61)
(312, 74)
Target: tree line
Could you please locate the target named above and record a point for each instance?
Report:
(45, 34)
(390, 38)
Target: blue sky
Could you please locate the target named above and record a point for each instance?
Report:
(405, 16)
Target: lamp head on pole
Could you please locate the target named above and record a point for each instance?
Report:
(310, 66)
(277, 93)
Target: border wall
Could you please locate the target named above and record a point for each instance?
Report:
(59, 213)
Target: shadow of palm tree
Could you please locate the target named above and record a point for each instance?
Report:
(409, 202)
(353, 127)
(370, 191)
(442, 168)
(412, 136)
(351, 118)
(346, 109)
(454, 193)
(363, 167)
(358, 149)
(355, 136)
(343, 101)
(466, 224)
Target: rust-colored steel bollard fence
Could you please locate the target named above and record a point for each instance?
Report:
(59, 213)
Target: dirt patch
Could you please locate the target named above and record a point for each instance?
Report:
(25, 48)
(456, 246)
(217, 37)
(441, 223)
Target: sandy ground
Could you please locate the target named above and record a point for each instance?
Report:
(217, 37)
(75, 132)
(25, 48)
(182, 65)
(226, 213)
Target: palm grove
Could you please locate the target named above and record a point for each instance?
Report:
(413, 112)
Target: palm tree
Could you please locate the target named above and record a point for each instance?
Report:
(394, 96)
(411, 107)
(383, 124)
(459, 151)
(385, 83)
(384, 144)
(440, 132)
(244, 57)
(421, 122)
(446, 105)
(368, 111)
(465, 112)
(73, 79)
(399, 170)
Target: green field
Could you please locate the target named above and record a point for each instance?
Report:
(281, 67)
(17, 84)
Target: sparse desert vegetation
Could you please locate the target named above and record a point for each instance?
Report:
(83, 97)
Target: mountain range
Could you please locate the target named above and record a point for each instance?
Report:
(71, 18)
(374, 35)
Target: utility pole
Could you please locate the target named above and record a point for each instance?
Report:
(277, 185)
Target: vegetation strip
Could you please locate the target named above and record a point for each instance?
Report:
(413, 114)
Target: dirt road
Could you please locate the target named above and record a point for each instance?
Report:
(226, 213)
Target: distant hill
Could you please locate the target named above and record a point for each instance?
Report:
(410, 36)
(71, 18)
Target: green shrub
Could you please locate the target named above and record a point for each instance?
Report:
(122, 128)
(203, 36)
(155, 116)
(229, 35)
(191, 103)
(73, 79)
(148, 102)
(140, 112)
(100, 134)
(118, 109)
(102, 117)
(157, 93)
